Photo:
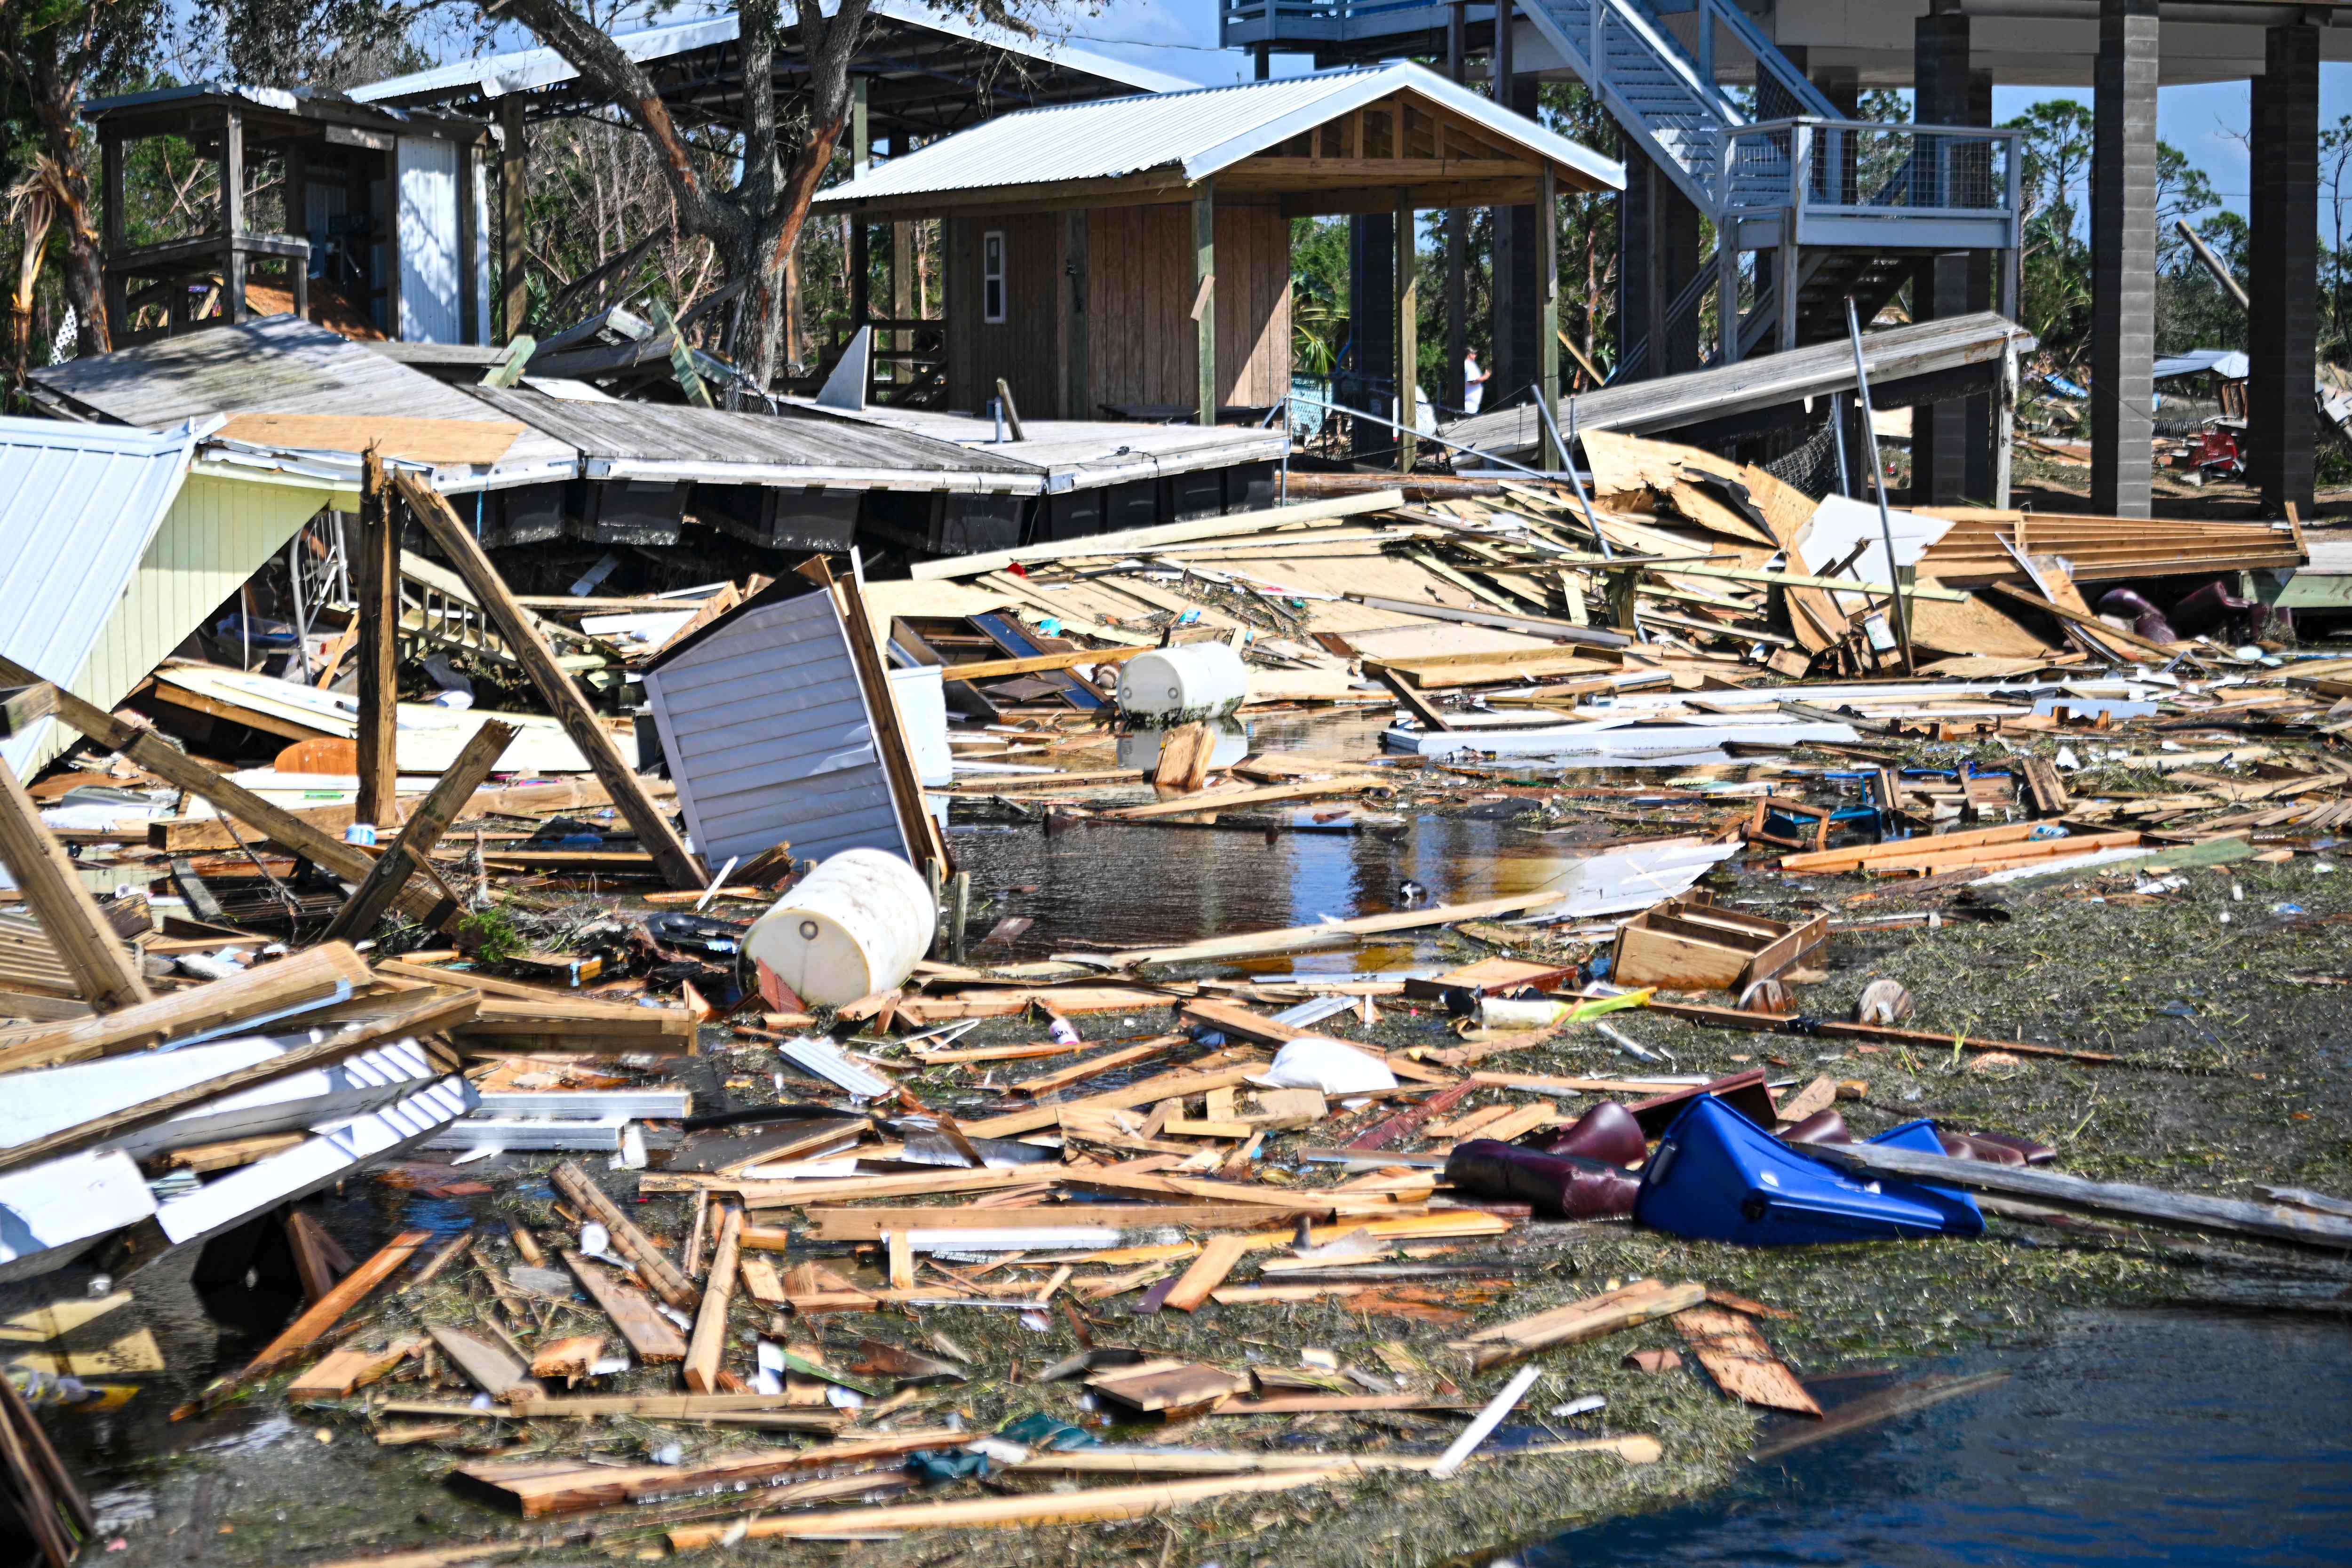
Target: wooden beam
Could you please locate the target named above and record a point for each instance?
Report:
(158, 756)
(376, 581)
(103, 974)
(1548, 312)
(555, 687)
(409, 852)
(659, 1272)
(1407, 367)
(711, 1324)
(1205, 302)
(924, 839)
(998, 669)
(23, 707)
(315, 975)
(420, 1012)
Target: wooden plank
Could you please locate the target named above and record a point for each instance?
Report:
(1180, 1084)
(420, 1012)
(1857, 856)
(759, 1277)
(1232, 1018)
(2142, 1206)
(1791, 1023)
(152, 752)
(555, 687)
(658, 1271)
(304, 1331)
(412, 851)
(1260, 524)
(344, 1371)
(1224, 799)
(1292, 938)
(529, 1407)
(538, 1488)
(103, 974)
(1045, 1083)
(22, 707)
(1741, 1364)
(493, 1368)
(873, 1224)
(1580, 1320)
(1217, 1259)
(569, 1358)
(375, 578)
(310, 1243)
(998, 669)
(711, 1324)
(651, 1335)
(924, 839)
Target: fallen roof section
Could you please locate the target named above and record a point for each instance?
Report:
(1923, 363)
(1069, 454)
(285, 366)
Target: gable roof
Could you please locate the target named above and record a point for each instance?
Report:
(1196, 133)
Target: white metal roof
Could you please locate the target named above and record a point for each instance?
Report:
(78, 505)
(1203, 131)
(520, 70)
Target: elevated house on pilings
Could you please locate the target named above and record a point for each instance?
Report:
(921, 73)
(1132, 257)
(367, 220)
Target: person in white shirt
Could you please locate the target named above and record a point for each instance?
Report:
(1474, 382)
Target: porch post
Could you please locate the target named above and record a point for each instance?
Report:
(513, 184)
(1408, 331)
(1204, 296)
(1548, 310)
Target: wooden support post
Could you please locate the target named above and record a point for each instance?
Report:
(1547, 314)
(103, 972)
(1204, 297)
(958, 913)
(377, 584)
(411, 852)
(232, 178)
(1726, 300)
(555, 687)
(1075, 404)
(513, 183)
(1408, 320)
(471, 328)
(709, 1341)
(861, 161)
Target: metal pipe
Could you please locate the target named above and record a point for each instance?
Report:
(1443, 441)
(1567, 459)
(2221, 274)
(1878, 488)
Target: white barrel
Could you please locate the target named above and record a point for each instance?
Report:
(1177, 685)
(854, 926)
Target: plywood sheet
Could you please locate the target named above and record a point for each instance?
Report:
(436, 441)
(1741, 1364)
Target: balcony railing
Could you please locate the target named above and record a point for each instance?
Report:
(1856, 168)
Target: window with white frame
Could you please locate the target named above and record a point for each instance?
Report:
(991, 275)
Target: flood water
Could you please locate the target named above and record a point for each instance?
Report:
(2173, 1435)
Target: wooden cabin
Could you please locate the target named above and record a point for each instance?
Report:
(370, 221)
(1132, 257)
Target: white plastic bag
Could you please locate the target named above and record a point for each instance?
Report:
(1335, 1067)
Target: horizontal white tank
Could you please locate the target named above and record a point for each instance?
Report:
(1178, 685)
(855, 925)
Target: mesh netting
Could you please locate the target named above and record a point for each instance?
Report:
(1812, 466)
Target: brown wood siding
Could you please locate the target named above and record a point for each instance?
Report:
(1025, 347)
(1141, 341)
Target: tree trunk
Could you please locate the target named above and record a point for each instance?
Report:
(85, 278)
(757, 350)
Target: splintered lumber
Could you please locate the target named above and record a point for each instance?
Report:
(433, 1556)
(1741, 1364)
(411, 849)
(340, 1372)
(650, 1334)
(2118, 1200)
(710, 1325)
(1292, 938)
(1041, 1508)
(1180, 1084)
(529, 646)
(1232, 1018)
(375, 581)
(314, 975)
(1635, 1448)
(1859, 856)
(873, 1224)
(493, 1368)
(659, 1272)
(569, 1358)
(49, 1501)
(421, 1012)
(1265, 794)
(1217, 1259)
(1156, 1386)
(578, 1025)
(1271, 526)
(1580, 1320)
(158, 756)
(1045, 1083)
(1885, 1034)
(794, 1194)
(103, 974)
(300, 1334)
(761, 1280)
(538, 1488)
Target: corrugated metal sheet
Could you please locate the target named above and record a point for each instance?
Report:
(78, 506)
(655, 440)
(282, 364)
(520, 70)
(1201, 131)
(768, 737)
